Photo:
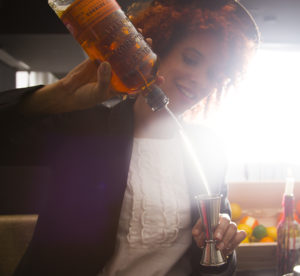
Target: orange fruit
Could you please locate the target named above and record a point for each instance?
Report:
(236, 211)
(272, 232)
(267, 239)
(259, 232)
(251, 221)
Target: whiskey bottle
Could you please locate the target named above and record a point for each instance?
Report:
(288, 233)
(106, 34)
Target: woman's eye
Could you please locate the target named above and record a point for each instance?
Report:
(190, 60)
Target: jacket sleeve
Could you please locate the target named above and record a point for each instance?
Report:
(25, 138)
(11, 98)
(18, 138)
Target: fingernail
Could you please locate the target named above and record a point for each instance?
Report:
(218, 236)
(221, 245)
(228, 246)
(196, 232)
(104, 67)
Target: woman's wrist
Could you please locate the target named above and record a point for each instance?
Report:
(43, 101)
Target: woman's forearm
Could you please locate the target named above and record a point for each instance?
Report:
(45, 100)
(84, 87)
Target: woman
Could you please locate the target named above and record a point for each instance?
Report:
(121, 195)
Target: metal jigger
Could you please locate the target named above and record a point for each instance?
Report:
(209, 208)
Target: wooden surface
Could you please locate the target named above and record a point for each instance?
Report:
(15, 234)
(259, 195)
(256, 256)
(261, 200)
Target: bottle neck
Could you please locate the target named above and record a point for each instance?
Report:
(288, 206)
(155, 98)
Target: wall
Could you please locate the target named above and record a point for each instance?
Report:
(7, 77)
(261, 199)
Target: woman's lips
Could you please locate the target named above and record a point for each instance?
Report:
(186, 91)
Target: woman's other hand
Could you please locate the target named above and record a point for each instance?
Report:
(226, 234)
(84, 87)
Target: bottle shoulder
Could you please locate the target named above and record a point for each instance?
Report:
(286, 228)
(288, 222)
(60, 6)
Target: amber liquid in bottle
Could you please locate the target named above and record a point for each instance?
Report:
(288, 238)
(106, 33)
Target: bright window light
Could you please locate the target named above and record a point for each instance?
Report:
(32, 78)
(22, 79)
(260, 122)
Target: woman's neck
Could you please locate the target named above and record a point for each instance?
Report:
(149, 124)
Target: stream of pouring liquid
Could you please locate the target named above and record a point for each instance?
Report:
(190, 150)
(187, 143)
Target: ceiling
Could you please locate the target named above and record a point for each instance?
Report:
(31, 33)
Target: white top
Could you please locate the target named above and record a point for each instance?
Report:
(155, 224)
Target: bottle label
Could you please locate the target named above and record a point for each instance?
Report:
(86, 13)
(105, 33)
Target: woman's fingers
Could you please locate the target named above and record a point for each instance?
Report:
(198, 234)
(103, 81)
(226, 234)
(148, 39)
(200, 239)
(104, 75)
(237, 239)
(222, 227)
(229, 234)
(82, 74)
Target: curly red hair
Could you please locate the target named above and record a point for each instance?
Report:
(168, 21)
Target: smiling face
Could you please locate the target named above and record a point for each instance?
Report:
(192, 70)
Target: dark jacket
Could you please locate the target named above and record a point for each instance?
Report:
(88, 153)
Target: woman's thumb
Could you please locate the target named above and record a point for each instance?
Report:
(103, 78)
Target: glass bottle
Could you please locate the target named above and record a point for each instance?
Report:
(288, 233)
(106, 34)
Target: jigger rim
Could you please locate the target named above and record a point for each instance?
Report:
(208, 197)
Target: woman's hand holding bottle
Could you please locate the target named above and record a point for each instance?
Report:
(84, 87)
